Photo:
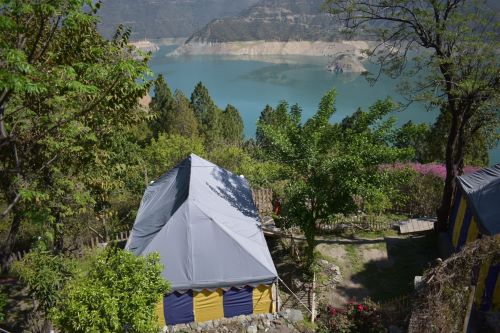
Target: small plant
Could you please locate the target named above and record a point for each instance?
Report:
(354, 317)
(3, 305)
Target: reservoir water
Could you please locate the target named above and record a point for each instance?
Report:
(251, 83)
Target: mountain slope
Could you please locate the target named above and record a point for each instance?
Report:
(165, 18)
(272, 20)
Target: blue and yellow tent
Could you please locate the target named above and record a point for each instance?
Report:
(203, 222)
(476, 212)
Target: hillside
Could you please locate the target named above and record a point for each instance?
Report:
(272, 20)
(165, 18)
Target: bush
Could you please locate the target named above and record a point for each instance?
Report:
(354, 317)
(416, 194)
(3, 305)
(119, 293)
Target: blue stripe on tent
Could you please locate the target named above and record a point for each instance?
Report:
(178, 308)
(454, 211)
(238, 302)
(465, 227)
(489, 288)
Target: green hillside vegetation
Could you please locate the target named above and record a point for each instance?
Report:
(165, 18)
(275, 20)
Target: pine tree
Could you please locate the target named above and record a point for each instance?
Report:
(232, 126)
(208, 115)
(162, 104)
(182, 119)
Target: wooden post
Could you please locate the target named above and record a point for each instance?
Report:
(313, 299)
(469, 308)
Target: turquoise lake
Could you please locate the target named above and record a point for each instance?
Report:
(251, 83)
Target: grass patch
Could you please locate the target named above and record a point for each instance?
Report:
(376, 234)
(354, 258)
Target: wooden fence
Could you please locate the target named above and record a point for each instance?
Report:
(92, 243)
(356, 222)
(263, 198)
(302, 292)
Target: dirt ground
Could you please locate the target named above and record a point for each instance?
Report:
(381, 267)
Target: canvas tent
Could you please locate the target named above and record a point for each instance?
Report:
(202, 220)
(476, 212)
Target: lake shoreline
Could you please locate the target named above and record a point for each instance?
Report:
(344, 56)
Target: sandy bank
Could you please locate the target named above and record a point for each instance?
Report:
(348, 49)
(257, 48)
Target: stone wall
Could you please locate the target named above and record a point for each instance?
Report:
(284, 321)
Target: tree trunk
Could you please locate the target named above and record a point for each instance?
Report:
(58, 234)
(310, 240)
(454, 160)
(8, 246)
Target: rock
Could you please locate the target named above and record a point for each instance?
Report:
(295, 316)
(251, 329)
(270, 316)
(324, 263)
(180, 327)
(335, 274)
(193, 325)
(266, 322)
(344, 63)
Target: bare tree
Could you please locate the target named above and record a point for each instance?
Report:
(453, 49)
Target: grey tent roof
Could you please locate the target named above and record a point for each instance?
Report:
(202, 220)
(482, 189)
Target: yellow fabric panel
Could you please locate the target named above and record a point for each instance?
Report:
(159, 313)
(483, 273)
(458, 221)
(208, 305)
(473, 231)
(262, 299)
(496, 296)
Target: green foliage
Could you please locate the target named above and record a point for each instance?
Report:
(414, 136)
(118, 293)
(416, 194)
(68, 96)
(301, 148)
(232, 126)
(165, 152)
(45, 275)
(476, 146)
(208, 115)
(182, 120)
(237, 160)
(160, 106)
(334, 168)
(3, 305)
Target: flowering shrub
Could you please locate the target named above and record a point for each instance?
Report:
(434, 169)
(354, 317)
(418, 187)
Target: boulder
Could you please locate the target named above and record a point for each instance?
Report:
(251, 329)
(295, 316)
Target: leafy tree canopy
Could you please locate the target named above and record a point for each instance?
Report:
(65, 95)
(332, 168)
